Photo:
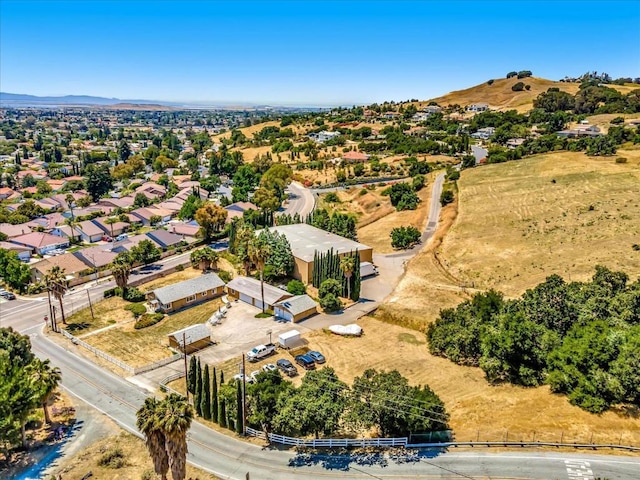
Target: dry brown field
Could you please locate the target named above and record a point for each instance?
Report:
(561, 213)
(478, 410)
(137, 461)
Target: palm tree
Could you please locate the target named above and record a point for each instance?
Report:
(120, 269)
(56, 282)
(259, 252)
(347, 265)
(175, 421)
(205, 258)
(148, 422)
(70, 200)
(110, 221)
(46, 380)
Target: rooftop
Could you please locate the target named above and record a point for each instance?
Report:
(177, 291)
(306, 240)
(251, 287)
(192, 334)
(298, 304)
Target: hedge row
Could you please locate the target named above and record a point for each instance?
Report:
(147, 320)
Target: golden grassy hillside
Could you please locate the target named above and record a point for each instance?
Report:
(499, 95)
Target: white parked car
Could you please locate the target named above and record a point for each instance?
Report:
(269, 367)
(238, 377)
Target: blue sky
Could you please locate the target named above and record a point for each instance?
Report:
(304, 52)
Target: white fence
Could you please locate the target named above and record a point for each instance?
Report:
(119, 363)
(329, 442)
(127, 368)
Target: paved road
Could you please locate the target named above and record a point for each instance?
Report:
(27, 313)
(231, 458)
(432, 220)
(301, 200)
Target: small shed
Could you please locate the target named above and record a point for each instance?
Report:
(194, 337)
(295, 308)
(289, 339)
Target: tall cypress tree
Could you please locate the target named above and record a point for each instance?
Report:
(214, 397)
(223, 413)
(221, 377)
(197, 396)
(239, 408)
(191, 377)
(205, 401)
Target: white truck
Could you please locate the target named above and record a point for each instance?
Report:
(260, 351)
(367, 269)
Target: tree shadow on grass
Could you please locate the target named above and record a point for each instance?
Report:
(76, 327)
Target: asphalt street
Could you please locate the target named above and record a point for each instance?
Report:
(301, 200)
(228, 457)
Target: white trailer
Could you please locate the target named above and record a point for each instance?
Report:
(289, 339)
(367, 269)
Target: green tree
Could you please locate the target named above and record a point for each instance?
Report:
(266, 199)
(175, 422)
(197, 396)
(189, 207)
(14, 272)
(347, 265)
(145, 252)
(205, 402)
(214, 397)
(296, 287)
(141, 200)
(56, 283)
(404, 237)
(259, 251)
(386, 401)
(191, 375)
(263, 397)
(121, 269)
(124, 151)
(211, 219)
(446, 197)
(280, 261)
(97, 180)
(315, 407)
(46, 379)
(148, 421)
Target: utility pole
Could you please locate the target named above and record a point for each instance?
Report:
(90, 305)
(186, 370)
(244, 399)
(53, 327)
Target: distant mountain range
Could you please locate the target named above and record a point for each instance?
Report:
(23, 100)
(18, 99)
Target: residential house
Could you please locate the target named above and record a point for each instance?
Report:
(184, 229)
(581, 131)
(90, 232)
(145, 214)
(110, 229)
(47, 222)
(187, 293)
(98, 256)
(514, 143)
(296, 308)
(74, 268)
(478, 107)
(190, 339)
(323, 136)
(431, 109)
(6, 193)
(152, 190)
(72, 233)
(248, 290)
(165, 239)
(391, 115)
(484, 133)
(24, 253)
(305, 240)
(40, 242)
(123, 202)
(12, 231)
(236, 210)
(352, 157)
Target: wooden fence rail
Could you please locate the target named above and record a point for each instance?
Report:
(329, 442)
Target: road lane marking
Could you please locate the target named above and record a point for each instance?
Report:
(579, 469)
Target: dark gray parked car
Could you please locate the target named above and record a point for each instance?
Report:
(287, 367)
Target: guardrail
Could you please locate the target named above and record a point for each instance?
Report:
(119, 363)
(329, 442)
(592, 446)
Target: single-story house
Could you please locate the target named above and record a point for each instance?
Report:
(236, 210)
(165, 239)
(73, 267)
(478, 107)
(194, 338)
(355, 157)
(306, 240)
(187, 293)
(123, 202)
(111, 229)
(14, 230)
(184, 229)
(40, 242)
(47, 222)
(24, 253)
(99, 256)
(72, 233)
(248, 290)
(6, 192)
(90, 232)
(146, 213)
(295, 308)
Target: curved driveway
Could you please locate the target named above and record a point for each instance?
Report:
(228, 457)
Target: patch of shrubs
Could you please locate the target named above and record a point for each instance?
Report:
(296, 287)
(404, 237)
(147, 320)
(402, 196)
(131, 294)
(113, 458)
(446, 197)
(518, 87)
(329, 293)
(137, 309)
(621, 160)
(225, 276)
(332, 197)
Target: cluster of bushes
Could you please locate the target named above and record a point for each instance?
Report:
(131, 294)
(147, 320)
(404, 237)
(591, 98)
(137, 309)
(403, 195)
(580, 338)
